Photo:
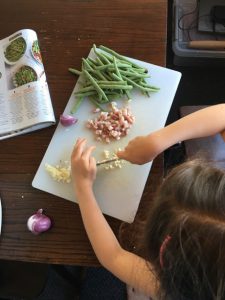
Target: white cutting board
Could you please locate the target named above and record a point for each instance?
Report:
(118, 191)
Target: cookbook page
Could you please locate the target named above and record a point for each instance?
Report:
(25, 103)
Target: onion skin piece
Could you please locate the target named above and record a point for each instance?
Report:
(67, 120)
(39, 222)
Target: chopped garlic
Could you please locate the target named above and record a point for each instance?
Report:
(60, 174)
(116, 164)
(106, 153)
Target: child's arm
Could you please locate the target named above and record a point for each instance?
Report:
(202, 123)
(128, 267)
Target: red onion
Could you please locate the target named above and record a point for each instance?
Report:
(67, 120)
(39, 222)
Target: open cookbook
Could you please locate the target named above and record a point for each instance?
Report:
(25, 103)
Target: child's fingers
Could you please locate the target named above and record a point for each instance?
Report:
(121, 154)
(79, 140)
(79, 147)
(87, 152)
(92, 163)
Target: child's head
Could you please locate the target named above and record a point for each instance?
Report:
(185, 234)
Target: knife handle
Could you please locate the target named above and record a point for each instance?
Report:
(207, 45)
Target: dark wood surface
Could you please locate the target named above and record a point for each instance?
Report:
(67, 30)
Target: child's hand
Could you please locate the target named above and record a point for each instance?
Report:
(83, 166)
(140, 150)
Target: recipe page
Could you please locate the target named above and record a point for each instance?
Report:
(24, 95)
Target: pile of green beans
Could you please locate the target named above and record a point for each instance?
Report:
(108, 77)
(16, 49)
(25, 75)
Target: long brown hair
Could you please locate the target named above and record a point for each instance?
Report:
(190, 209)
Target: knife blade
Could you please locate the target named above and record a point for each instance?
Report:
(106, 161)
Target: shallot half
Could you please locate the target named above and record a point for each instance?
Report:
(67, 120)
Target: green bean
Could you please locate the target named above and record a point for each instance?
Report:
(145, 84)
(114, 53)
(85, 94)
(99, 74)
(77, 104)
(139, 86)
(116, 68)
(109, 57)
(85, 89)
(95, 84)
(104, 75)
(100, 57)
(103, 87)
(119, 87)
(74, 71)
(86, 65)
(107, 66)
(113, 97)
(104, 57)
(140, 70)
(115, 76)
(92, 62)
(122, 82)
(119, 75)
(100, 63)
(137, 75)
(93, 71)
(92, 99)
(151, 86)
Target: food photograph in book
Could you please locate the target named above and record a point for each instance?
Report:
(23, 61)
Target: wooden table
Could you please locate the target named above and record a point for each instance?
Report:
(67, 30)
